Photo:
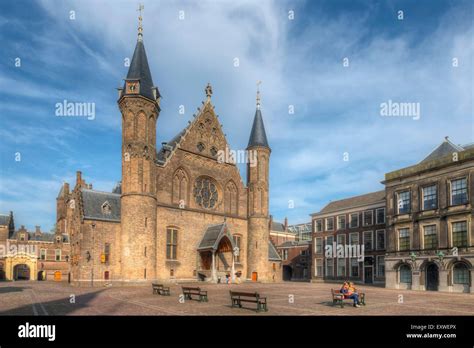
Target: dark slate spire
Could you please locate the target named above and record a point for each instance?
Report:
(258, 137)
(139, 69)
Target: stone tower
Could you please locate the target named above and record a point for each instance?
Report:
(139, 104)
(257, 186)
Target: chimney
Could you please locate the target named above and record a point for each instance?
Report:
(286, 223)
(270, 221)
(66, 188)
(78, 178)
(37, 230)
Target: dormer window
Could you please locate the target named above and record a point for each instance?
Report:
(132, 87)
(106, 208)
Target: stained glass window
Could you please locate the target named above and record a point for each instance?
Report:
(205, 192)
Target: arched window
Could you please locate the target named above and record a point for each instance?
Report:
(460, 274)
(151, 130)
(230, 198)
(180, 186)
(106, 208)
(405, 274)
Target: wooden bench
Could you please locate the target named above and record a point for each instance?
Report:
(338, 298)
(188, 292)
(160, 289)
(253, 297)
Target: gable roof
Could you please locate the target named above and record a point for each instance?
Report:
(273, 253)
(277, 226)
(92, 202)
(443, 149)
(213, 236)
(352, 202)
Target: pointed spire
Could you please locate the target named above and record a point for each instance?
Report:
(258, 137)
(139, 69)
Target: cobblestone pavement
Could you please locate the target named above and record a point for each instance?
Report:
(50, 298)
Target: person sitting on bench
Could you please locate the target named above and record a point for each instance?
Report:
(350, 292)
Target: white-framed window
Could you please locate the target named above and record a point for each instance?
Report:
(430, 197)
(368, 240)
(329, 241)
(354, 238)
(341, 267)
(57, 255)
(380, 266)
(354, 267)
(380, 239)
(318, 245)
(43, 254)
(318, 269)
(403, 202)
(458, 188)
(341, 222)
(330, 224)
(380, 216)
(284, 254)
(404, 239)
(341, 239)
(329, 268)
(368, 217)
(430, 237)
(354, 222)
(319, 225)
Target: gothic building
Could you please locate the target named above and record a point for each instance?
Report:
(179, 212)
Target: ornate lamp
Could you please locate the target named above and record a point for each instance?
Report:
(440, 255)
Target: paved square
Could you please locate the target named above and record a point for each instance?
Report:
(50, 298)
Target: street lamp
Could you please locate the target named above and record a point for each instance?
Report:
(92, 249)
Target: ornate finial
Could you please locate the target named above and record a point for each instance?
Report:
(140, 27)
(208, 91)
(258, 94)
(446, 138)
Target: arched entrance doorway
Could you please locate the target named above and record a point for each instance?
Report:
(21, 272)
(41, 275)
(287, 273)
(432, 277)
(217, 253)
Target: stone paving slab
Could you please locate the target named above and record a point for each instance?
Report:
(286, 298)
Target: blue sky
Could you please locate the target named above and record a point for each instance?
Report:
(299, 62)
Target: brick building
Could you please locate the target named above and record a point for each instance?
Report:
(281, 232)
(180, 212)
(430, 242)
(34, 255)
(358, 222)
(296, 260)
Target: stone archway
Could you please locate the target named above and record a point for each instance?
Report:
(21, 272)
(12, 264)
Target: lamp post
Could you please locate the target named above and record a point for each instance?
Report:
(92, 249)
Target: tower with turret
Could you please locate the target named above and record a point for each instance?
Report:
(258, 268)
(139, 104)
